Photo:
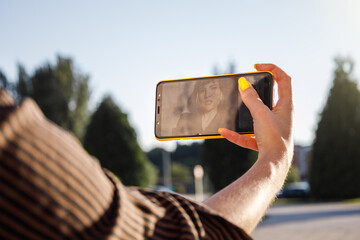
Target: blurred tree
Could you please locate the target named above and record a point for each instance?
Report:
(335, 163)
(111, 139)
(155, 156)
(231, 69)
(23, 87)
(186, 155)
(61, 92)
(189, 155)
(3, 80)
(181, 172)
(181, 175)
(224, 161)
(293, 175)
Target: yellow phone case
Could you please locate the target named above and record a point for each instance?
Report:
(203, 136)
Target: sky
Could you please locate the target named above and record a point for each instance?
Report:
(126, 47)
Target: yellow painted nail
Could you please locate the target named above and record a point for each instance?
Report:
(243, 84)
(219, 130)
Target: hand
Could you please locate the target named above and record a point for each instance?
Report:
(273, 129)
(245, 201)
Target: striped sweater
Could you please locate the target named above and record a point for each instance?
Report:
(50, 188)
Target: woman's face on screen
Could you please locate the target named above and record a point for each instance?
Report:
(209, 95)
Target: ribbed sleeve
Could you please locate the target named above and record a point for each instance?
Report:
(50, 188)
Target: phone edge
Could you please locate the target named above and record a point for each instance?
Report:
(212, 76)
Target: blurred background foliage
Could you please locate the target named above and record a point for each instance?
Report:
(224, 161)
(293, 175)
(110, 137)
(62, 91)
(335, 162)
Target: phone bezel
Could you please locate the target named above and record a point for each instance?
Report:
(212, 136)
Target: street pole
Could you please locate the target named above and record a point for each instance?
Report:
(166, 169)
(198, 178)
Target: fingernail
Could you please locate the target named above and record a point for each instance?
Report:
(243, 84)
(219, 130)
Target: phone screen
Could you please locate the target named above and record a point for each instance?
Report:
(198, 107)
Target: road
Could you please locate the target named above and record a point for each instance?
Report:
(311, 222)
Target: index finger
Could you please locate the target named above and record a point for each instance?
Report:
(283, 80)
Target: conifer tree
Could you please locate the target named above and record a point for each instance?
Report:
(60, 90)
(335, 166)
(111, 139)
(224, 161)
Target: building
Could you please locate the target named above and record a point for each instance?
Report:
(301, 160)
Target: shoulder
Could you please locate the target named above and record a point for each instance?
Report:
(5, 98)
(7, 104)
(197, 221)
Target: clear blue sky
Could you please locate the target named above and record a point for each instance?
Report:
(128, 46)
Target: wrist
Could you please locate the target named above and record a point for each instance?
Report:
(277, 163)
(280, 151)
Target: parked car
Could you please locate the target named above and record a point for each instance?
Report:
(161, 188)
(295, 190)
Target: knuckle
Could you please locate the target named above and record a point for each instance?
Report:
(288, 77)
(273, 66)
(258, 111)
(250, 94)
(280, 74)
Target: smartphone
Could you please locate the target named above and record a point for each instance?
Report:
(195, 108)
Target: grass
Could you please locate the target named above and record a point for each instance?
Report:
(352, 201)
(282, 201)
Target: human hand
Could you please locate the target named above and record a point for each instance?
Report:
(273, 129)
